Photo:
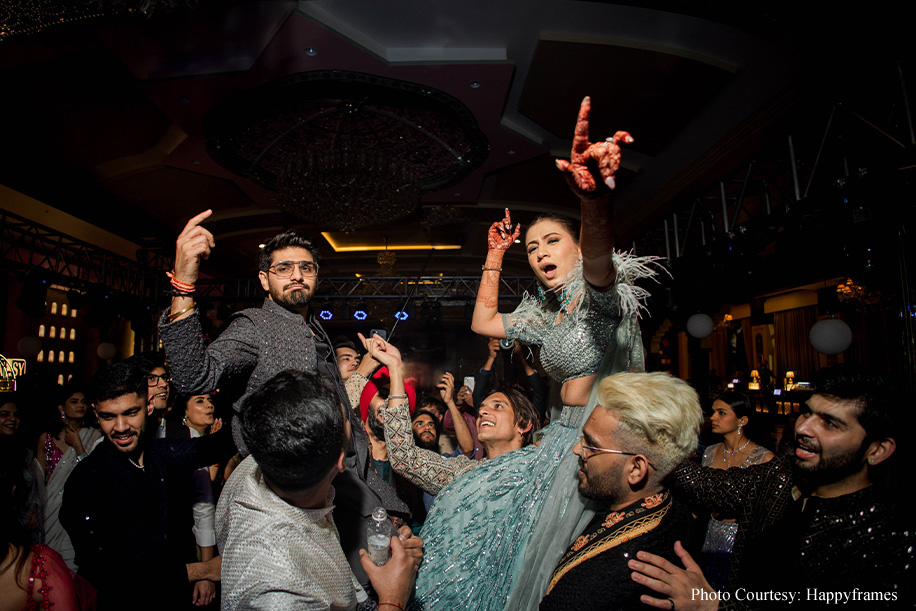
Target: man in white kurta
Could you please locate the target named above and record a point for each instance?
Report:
(277, 556)
(280, 547)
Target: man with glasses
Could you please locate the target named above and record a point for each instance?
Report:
(259, 343)
(158, 392)
(643, 426)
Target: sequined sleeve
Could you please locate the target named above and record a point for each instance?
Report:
(428, 470)
(729, 490)
(197, 367)
(518, 331)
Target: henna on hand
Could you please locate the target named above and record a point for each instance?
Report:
(500, 236)
(605, 155)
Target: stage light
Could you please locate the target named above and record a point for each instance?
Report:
(326, 315)
(360, 315)
(401, 315)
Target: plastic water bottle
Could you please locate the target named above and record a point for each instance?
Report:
(379, 536)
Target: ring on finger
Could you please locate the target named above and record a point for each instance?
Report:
(671, 600)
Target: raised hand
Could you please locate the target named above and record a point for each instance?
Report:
(605, 155)
(193, 244)
(446, 388)
(381, 351)
(500, 237)
(492, 348)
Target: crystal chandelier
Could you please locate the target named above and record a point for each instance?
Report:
(348, 189)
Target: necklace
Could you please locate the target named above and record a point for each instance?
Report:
(134, 463)
(733, 452)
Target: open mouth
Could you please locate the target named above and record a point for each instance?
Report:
(804, 451)
(549, 270)
(123, 440)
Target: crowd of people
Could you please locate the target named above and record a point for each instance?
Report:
(137, 495)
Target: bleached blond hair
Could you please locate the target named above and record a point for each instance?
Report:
(659, 416)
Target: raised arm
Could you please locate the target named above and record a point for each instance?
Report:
(486, 319)
(193, 245)
(466, 439)
(428, 470)
(482, 379)
(198, 367)
(357, 381)
(590, 174)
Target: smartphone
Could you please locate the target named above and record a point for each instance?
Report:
(380, 332)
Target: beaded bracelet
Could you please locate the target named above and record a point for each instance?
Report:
(178, 284)
(397, 396)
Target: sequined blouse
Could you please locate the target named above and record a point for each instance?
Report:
(571, 344)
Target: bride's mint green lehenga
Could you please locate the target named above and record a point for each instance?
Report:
(495, 534)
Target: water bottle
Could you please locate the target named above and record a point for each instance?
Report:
(379, 536)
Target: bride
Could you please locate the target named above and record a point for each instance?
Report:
(495, 534)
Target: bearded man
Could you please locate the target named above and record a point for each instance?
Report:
(813, 527)
(643, 426)
(258, 343)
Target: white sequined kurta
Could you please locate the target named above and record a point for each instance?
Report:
(276, 556)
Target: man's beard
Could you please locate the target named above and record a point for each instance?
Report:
(605, 487)
(426, 445)
(376, 426)
(829, 469)
(291, 300)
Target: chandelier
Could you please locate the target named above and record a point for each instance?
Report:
(348, 189)
(346, 150)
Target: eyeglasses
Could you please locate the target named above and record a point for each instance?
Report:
(153, 379)
(284, 269)
(593, 449)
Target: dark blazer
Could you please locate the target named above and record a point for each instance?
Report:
(257, 344)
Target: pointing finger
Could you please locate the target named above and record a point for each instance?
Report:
(580, 139)
(195, 221)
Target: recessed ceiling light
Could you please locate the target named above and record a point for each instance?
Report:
(311, 51)
(510, 152)
(475, 84)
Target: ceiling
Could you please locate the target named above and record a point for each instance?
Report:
(106, 117)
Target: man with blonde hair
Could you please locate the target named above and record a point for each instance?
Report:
(643, 426)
